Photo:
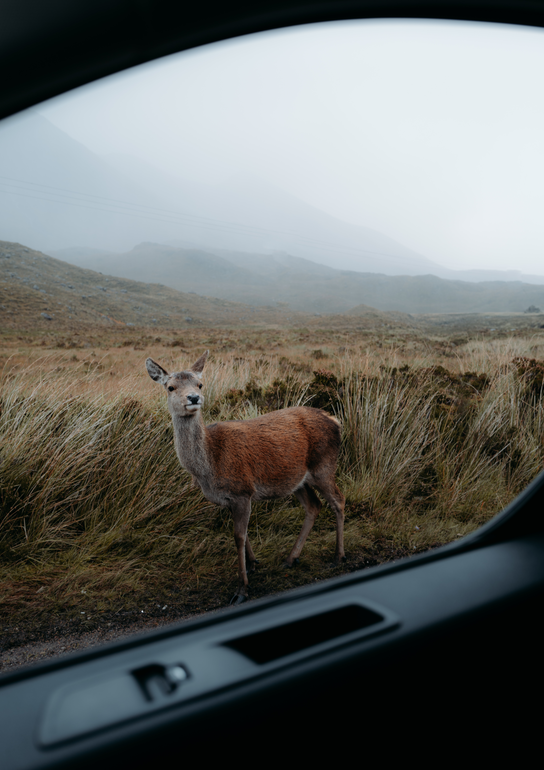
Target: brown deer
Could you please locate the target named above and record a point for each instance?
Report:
(289, 451)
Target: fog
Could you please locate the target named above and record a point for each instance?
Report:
(429, 133)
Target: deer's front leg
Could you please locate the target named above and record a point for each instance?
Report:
(241, 511)
(251, 561)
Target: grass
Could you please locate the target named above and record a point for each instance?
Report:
(99, 522)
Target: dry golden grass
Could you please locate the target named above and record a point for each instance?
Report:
(98, 519)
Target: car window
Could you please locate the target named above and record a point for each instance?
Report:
(346, 217)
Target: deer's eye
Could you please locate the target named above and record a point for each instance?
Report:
(171, 388)
(200, 386)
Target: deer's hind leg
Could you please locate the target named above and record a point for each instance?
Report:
(241, 511)
(337, 501)
(312, 506)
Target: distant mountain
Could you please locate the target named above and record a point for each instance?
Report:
(260, 279)
(251, 216)
(482, 276)
(55, 193)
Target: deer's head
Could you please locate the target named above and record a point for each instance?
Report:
(184, 389)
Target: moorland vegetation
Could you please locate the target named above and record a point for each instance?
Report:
(100, 525)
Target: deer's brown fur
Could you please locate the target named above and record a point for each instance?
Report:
(291, 451)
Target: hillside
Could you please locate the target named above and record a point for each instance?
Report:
(306, 286)
(40, 292)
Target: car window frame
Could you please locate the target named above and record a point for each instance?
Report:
(513, 537)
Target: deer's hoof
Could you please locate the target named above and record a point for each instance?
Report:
(290, 565)
(238, 599)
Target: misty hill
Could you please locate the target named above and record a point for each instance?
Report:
(260, 279)
(38, 292)
(55, 193)
(429, 294)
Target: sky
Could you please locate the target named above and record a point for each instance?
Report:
(430, 132)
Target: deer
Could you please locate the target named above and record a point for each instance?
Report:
(289, 451)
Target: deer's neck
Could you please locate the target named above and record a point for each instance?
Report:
(190, 443)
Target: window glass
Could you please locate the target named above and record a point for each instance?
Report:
(348, 217)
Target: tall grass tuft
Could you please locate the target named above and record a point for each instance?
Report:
(386, 431)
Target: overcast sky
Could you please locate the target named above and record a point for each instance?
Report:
(430, 132)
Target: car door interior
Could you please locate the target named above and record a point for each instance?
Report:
(338, 663)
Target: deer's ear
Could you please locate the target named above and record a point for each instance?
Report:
(156, 372)
(198, 366)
